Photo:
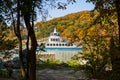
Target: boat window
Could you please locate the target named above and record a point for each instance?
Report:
(51, 39)
(50, 44)
(53, 44)
(52, 34)
(58, 34)
(65, 44)
(55, 34)
(47, 44)
(68, 44)
(56, 39)
(71, 44)
(59, 44)
(56, 44)
(62, 44)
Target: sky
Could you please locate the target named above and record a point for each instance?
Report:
(80, 5)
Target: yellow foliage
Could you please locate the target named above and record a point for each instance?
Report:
(74, 26)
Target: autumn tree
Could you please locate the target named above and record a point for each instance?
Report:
(26, 9)
(110, 8)
(5, 42)
(12, 15)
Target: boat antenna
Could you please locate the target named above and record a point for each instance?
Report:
(54, 29)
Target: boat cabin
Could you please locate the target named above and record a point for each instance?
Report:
(55, 37)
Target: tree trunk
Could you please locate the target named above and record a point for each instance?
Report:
(117, 57)
(115, 60)
(22, 68)
(32, 57)
(28, 56)
(18, 34)
(117, 3)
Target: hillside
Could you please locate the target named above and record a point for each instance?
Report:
(73, 26)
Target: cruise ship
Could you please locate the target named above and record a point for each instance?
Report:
(55, 42)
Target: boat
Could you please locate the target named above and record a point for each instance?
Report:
(55, 42)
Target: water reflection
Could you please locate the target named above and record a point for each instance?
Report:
(62, 55)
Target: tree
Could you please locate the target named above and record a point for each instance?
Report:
(12, 14)
(110, 8)
(26, 9)
(96, 53)
(18, 34)
(28, 15)
(5, 42)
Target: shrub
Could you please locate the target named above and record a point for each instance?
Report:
(2, 73)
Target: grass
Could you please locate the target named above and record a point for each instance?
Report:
(56, 64)
(52, 64)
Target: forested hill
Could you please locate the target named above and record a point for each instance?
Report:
(72, 26)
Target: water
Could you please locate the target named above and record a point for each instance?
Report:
(62, 54)
(59, 49)
(65, 55)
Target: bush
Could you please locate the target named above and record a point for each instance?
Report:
(2, 73)
(95, 53)
(75, 65)
(53, 64)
